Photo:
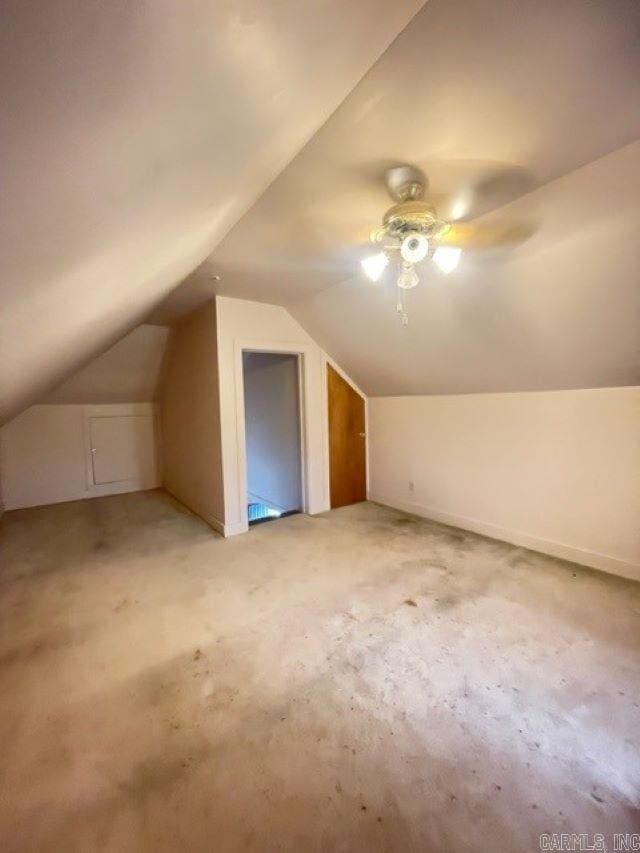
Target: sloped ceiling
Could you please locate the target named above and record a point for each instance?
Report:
(134, 135)
(128, 372)
(468, 85)
(561, 311)
(143, 141)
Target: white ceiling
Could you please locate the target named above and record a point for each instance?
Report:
(134, 135)
(560, 311)
(469, 85)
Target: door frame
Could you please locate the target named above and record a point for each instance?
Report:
(314, 421)
(302, 354)
(301, 433)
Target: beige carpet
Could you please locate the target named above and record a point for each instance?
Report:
(357, 681)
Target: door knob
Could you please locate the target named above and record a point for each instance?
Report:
(362, 434)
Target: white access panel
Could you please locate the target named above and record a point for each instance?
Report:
(122, 448)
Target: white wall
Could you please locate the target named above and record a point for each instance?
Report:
(258, 326)
(45, 455)
(128, 372)
(190, 412)
(272, 426)
(556, 471)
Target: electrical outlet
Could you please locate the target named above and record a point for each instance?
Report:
(411, 486)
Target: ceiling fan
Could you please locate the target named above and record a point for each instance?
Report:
(412, 230)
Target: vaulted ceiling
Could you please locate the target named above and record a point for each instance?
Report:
(469, 88)
(143, 142)
(134, 135)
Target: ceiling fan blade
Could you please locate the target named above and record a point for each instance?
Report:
(476, 235)
(486, 190)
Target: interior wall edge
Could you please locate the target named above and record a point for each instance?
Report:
(591, 559)
(213, 522)
(189, 408)
(244, 324)
(234, 528)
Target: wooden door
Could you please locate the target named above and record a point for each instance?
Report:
(347, 449)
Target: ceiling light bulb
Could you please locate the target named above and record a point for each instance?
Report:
(414, 248)
(447, 258)
(374, 265)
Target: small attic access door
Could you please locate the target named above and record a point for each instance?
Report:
(121, 449)
(347, 442)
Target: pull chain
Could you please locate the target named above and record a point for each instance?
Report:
(401, 308)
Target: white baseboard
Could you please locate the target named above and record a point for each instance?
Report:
(213, 522)
(218, 526)
(235, 528)
(121, 487)
(593, 559)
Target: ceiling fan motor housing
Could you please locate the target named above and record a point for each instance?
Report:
(417, 217)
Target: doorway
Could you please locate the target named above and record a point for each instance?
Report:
(273, 435)
(347, 442)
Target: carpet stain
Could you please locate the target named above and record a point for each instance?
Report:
(319, 716)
